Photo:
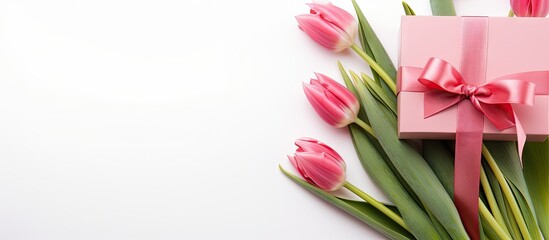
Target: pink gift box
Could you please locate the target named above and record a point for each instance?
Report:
(514, 45)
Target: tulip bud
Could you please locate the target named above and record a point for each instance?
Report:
(530, 8)
(319, 164)
(330, 26)
(332, 101)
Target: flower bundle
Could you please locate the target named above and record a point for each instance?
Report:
(513, 200)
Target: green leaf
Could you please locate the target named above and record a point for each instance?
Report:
(443, 8)
(527, 214)
(441, 160)
(362, 113)
(391, 119)
(514, 228)
(378, 93)
(407, 9)
(382, 95)
(413, 168)
(536, 174)
(363, 204)
(379, 171)
(378, 51)
(440, 229)
(513, 222)
(373, 47)
(506, 156)
(508, 217)
(487, 230)
(368, 51)
(365, 212)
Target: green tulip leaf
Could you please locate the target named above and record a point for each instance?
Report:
(506, 156)
(365, 212)
(413, 168)
(513, 222)
(382, 95)
(379, 171)
(536, 174)
(502, 203)
(486, 230)
(390, 117)
(348, 83)
(441, 160)
(407, 9)
(365, 205)
(443, 8)
(438, 226)
(527, 214)
(373, 47)
(368, 51)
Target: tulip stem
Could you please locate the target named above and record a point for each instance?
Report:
(379, 206)
(365, 126)
(485, 213)
(373, 64)
(511, 13)
(492, 200)
(507, 193)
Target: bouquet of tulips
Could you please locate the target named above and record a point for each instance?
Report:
(416, 176)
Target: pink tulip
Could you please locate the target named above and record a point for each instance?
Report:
(319, 164)
(330, 26)
(530, 8)
(333, 102)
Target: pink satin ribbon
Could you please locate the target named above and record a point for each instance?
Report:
(445, 86)
(492, 99)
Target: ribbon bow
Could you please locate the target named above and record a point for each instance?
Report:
(493, 99)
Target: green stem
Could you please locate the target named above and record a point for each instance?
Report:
(511, 13)
(492, 200)
(379, 206)
(373, 64)
(365, 126)
(485, 213)
(507, 192)
(512, 221)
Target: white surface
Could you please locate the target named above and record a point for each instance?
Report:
(159, 119)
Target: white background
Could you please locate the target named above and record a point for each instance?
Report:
(166, 119)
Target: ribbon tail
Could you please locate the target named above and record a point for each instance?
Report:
(467, 166)
(521, 137)
(466, 180)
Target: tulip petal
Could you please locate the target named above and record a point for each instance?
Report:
(319, 164)
(320, 31)
(540, 8)
(330, 26)
(336, 16)
(313, 145)
(340, 92)
(327, 106)
(322, 169)
(299, 169)
(521, 8)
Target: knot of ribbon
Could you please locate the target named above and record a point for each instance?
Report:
(469, 90)
(493, 98)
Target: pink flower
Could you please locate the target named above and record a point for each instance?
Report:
(530, 8)
(330, 26)
(333, 102)
(319, 164)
